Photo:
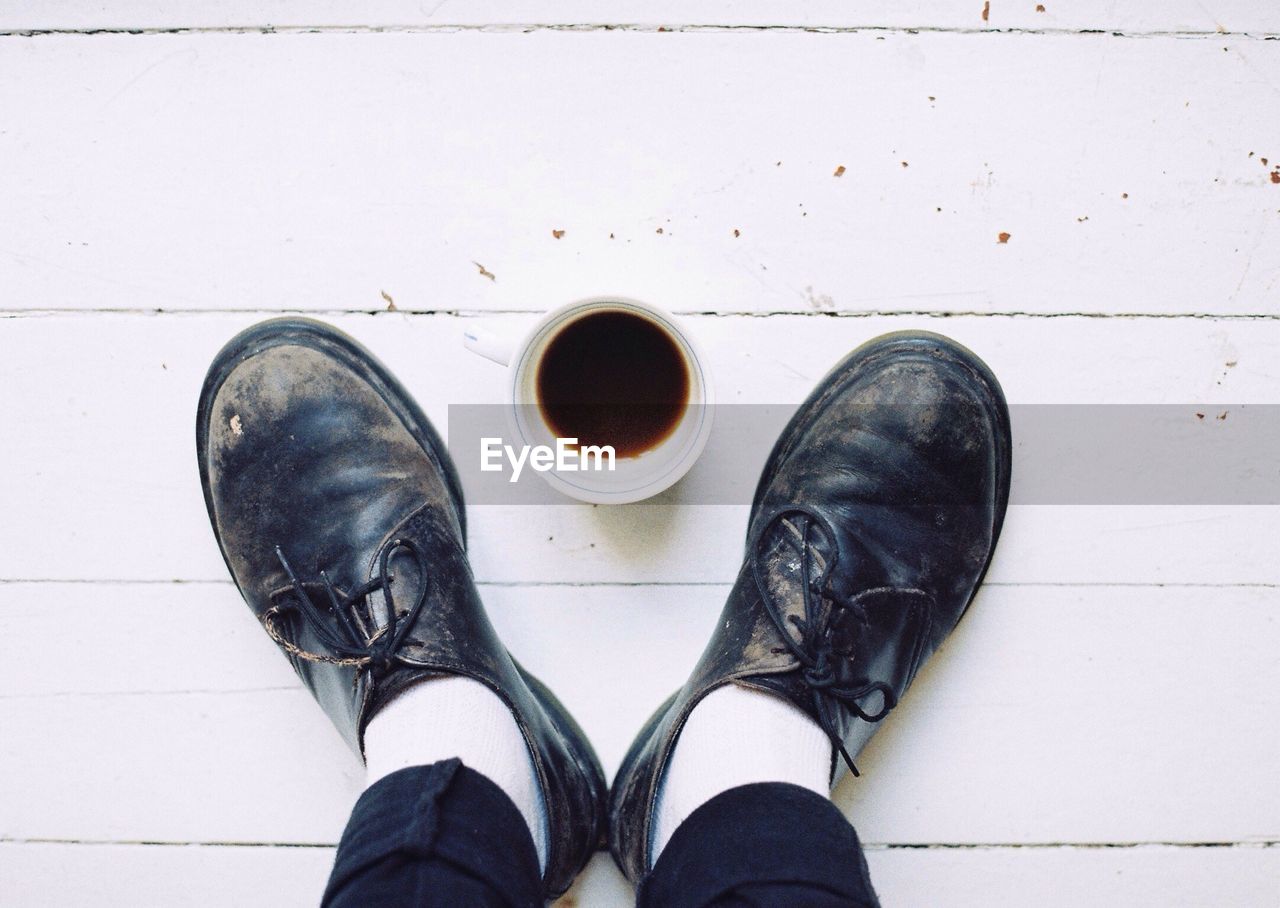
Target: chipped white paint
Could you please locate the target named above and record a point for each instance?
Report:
(425, 154)
(166, 172)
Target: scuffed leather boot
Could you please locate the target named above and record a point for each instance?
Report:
(871, 529)
(340, 517)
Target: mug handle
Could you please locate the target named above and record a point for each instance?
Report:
(490, 345)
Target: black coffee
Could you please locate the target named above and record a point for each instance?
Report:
(613, 378)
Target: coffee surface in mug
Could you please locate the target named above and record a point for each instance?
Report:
(613, 378)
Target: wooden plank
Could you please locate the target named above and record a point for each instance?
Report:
(318, 171)
(1148, 876)
(1053, 715)
(178, 876)
(1131, 18)
(99, 443)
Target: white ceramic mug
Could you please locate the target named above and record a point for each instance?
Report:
(632, 478)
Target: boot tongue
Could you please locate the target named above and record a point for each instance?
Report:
(423, 557)
(402, 585)
(793, 552)
(861, 633)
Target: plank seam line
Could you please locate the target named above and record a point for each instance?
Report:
(874, 846)
(592, 584)
(710, 313)
(688, 28)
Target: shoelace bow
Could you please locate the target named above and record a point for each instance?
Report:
(356, 640)
(827, 637)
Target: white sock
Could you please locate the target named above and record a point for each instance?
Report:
(458, 717)
(733, 737)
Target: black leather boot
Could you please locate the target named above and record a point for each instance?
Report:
(340, 517)
(872, 527)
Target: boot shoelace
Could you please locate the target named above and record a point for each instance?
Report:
(355, 639)
(827, 636)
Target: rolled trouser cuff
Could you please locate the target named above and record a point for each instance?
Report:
(769, 839)
(430, 834)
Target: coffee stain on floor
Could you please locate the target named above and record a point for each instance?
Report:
(1004, 238)
(391, 304)
(986, 10)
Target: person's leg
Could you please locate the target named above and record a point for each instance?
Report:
(458, 718)
(341, 520)
(442, 834)
(452, 813)
(764, 845)
(743, 812)
(872, 527)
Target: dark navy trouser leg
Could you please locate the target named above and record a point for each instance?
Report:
(769, 845)
(438, 835)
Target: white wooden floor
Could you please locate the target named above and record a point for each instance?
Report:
(1104, 727)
